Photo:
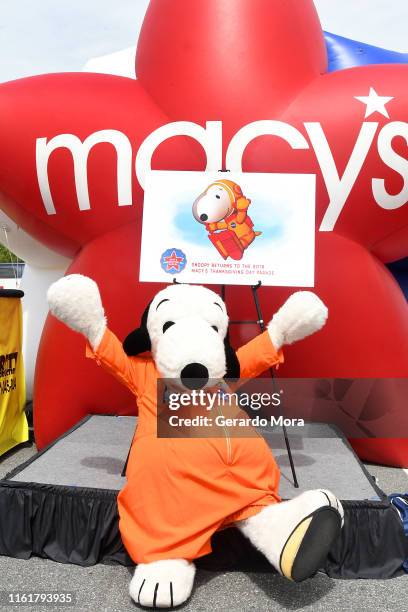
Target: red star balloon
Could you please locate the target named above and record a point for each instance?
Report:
(74, 149)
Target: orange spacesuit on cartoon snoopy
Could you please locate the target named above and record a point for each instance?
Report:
(222, 208)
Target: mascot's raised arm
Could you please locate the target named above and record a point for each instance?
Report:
(180, 491)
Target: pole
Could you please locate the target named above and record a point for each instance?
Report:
(260, 321)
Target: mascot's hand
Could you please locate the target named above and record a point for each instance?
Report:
(302, 314)
(76, 301)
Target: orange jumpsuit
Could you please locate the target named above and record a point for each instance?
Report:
(180, 491)
(243, 230)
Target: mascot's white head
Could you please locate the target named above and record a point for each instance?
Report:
(217, 202)
(186, 329)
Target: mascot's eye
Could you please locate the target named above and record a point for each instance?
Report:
(215, 328)
(167, 325)
(218, 197)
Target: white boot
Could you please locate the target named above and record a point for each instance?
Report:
(296, 536)
(162, 584)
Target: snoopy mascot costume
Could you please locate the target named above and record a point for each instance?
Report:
(180, 491)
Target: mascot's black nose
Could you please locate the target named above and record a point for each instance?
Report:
(203, 217)
(194, 376)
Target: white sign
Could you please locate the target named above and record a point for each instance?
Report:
(232, 228)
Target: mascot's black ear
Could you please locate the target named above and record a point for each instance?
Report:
(138, 341)
(233, 367)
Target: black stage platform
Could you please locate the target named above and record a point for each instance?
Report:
(61, 504)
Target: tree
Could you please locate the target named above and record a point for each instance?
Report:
(6, 256)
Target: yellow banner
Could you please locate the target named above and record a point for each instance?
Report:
(13, 422)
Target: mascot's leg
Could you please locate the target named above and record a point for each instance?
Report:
(162, 584)
(296, 535)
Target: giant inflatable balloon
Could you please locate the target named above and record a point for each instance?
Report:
(345, 53)
(230, 83)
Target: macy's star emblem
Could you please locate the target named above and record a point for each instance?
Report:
(172, 261)
(375, 103)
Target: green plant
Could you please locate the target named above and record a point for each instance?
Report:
(6, 256)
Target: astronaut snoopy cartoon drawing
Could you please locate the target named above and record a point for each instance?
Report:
(223, 209)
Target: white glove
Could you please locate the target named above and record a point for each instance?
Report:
(75, 300)
(302, 314)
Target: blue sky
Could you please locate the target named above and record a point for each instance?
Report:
(38, 36)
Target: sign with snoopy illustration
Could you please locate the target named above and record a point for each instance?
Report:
(232, 228)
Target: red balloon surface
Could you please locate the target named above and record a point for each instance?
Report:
(234, 61)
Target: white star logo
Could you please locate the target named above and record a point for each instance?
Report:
(375, 103)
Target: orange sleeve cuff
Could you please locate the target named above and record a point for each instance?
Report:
(89, 352)
(258, 355)
(101, 348)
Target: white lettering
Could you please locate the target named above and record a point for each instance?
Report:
(80, 151)
(209, 137)
(267, 127)
(339, 188)
(394, 161)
